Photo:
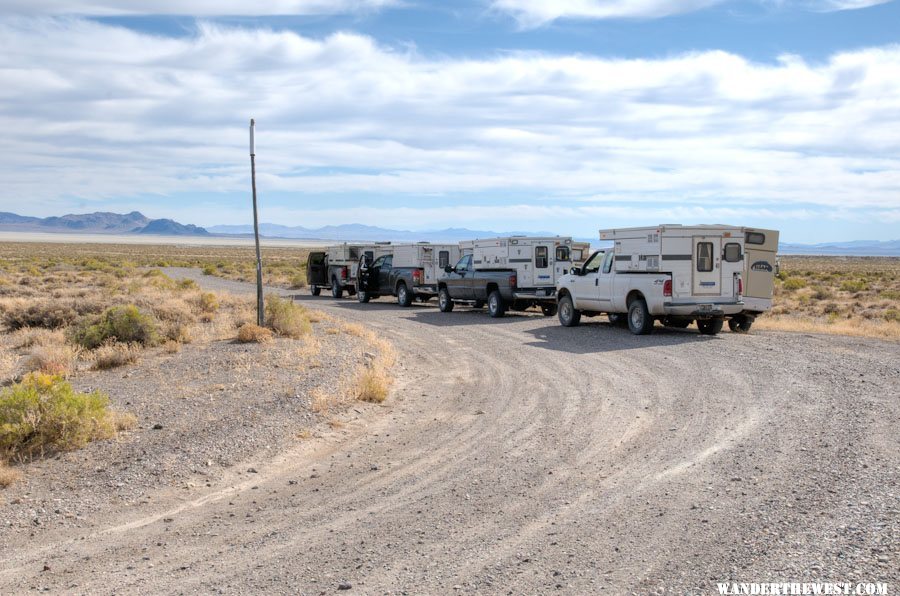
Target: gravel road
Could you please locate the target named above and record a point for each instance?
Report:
(517, 456)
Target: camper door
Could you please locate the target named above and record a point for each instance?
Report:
(317, 269)
(706, 261)
(543, 264)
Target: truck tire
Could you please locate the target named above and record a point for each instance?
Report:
(315, 290)
(496, 308)
(569, 316)
(336, 290)
(445, 302)
(710, 326)
(548, 310)
(639, 320)
(404, 296)
(740, 324)
(363, 297)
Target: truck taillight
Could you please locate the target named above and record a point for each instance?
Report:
(740, 286)
(512, 281)
(343, 273)
(417, 276)
(667, 287)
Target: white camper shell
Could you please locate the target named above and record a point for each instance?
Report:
(705, 261)
(538, 262)
(431, 258)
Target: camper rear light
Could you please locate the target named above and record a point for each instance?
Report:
(667, 287)
(740, 287)
(512, 281)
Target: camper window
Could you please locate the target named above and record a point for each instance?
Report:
(704, 256)
(732, 252)
(541, 257)
(756, 238)
(562, 253)
(443, 258)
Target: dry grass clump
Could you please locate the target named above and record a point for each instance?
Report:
(48, 314)
(52, 360)
(113, 355)
(43, 413)
(28, 337)
(8, 475)
(286, 318)
(251, 333)
(372, 385)
(354, 329)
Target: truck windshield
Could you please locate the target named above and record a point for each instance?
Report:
(464, 263)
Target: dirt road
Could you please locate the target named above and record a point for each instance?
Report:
(521, 457)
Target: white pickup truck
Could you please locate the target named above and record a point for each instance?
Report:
(673, 274)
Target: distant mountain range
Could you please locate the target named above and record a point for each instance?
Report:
(99, 223)
(136, 223)
(358, 232)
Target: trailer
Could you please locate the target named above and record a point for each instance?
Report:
(337, 266)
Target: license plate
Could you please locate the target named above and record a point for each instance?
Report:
(706, 307)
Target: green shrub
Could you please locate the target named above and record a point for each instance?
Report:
(44, 413)
(854, 285)
(207, 302)
(298, 280)
(286, 318)
(892, 314)
(889, 294)
(126, 324)
(188, 284)
(209, 270)
(793, 283)
(820, 293)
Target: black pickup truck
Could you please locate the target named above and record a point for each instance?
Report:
(494, 287)
(381, 278)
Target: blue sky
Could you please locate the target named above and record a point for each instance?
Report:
(562, 116)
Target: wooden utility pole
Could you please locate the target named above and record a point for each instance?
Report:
(259, 288)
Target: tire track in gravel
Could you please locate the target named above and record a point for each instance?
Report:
(516, 456)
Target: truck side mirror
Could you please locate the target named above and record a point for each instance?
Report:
(575, 270)
(448, 269)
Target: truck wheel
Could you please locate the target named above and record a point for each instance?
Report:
(639, 320)
(445, 303)
(569, 316)
(478, 304)
(404, 296)
(548, 309)
(315, 290)
(362, 296)
(740, 324)
(336, 290)
(496, 308)
(710, 326)
(617, 319)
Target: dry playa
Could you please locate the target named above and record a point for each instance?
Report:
(514, 456)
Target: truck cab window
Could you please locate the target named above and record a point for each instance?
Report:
(443, 258)
(607, 263)
(380, 261)
(594, 263)
(704, 256)
(562, 253)
(464, 264)
(541, 257)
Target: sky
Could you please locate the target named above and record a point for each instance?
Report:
(562, 116)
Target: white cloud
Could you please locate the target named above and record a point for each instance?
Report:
(191, 7)
(534, 13)
(105, 112)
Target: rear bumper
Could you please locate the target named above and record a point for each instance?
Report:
(703, 309)
(538, 294)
